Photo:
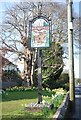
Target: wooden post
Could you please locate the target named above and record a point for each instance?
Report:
(71, 57)
(39, 77)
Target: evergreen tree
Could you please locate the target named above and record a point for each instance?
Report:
(52, 65)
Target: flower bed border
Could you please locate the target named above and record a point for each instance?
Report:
(63, 109)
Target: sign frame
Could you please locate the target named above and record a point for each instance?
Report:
(46, 34)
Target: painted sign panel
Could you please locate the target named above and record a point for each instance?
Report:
(40, 33)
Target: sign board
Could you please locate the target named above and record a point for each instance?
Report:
(40, 33)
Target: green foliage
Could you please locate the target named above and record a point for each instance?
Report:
(14, 103)
(77, 81)
(64, 76)
(12, 75)
(52, 65)
(64, 80)
(16, 93)
(58, 97)
(45, 111)
(20, 88)
(61, 82)
(57, 100)
(11, 95)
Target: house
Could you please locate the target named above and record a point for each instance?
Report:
(7, 65)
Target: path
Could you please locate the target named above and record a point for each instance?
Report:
(77, 114)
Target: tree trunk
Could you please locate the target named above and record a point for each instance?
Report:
(32, 70)
(27, 66)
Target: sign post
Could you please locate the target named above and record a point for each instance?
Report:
(39, 76)
(40, 38)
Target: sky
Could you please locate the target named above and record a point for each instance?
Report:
(38, 0)
(9, 3)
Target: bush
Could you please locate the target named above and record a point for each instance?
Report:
(61, 82)
(12, 76)
(64, 80)
(52, 66)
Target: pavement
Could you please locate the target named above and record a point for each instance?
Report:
(77, 114)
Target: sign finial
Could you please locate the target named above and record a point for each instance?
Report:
(39, 8)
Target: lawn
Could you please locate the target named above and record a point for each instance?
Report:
(15, 100)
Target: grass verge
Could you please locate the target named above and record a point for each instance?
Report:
(14, 102)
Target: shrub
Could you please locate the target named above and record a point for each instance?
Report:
(12, 76)
(64, 80)
(52, 66)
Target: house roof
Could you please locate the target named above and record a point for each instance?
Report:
(5, 61)
(5, 50)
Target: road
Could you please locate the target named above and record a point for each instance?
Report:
(77, 114)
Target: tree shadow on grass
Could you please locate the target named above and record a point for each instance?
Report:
(20, 95)
(20, 118)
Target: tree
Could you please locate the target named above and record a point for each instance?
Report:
(15, 33)
(52, 64)
(16, 27)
